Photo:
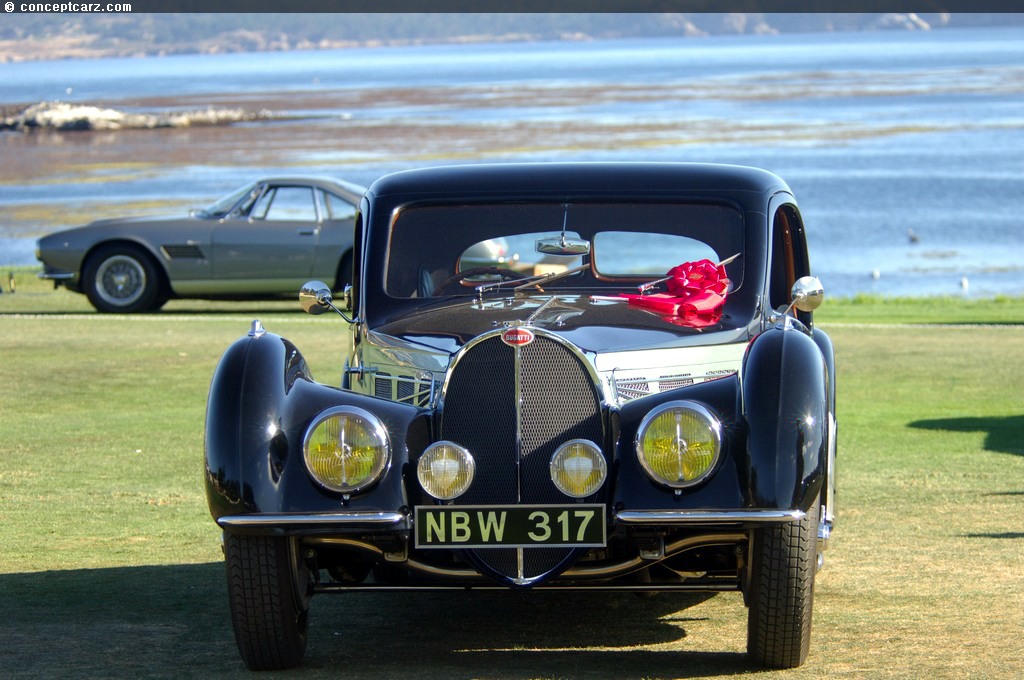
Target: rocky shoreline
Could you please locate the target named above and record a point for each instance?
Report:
(65, 116)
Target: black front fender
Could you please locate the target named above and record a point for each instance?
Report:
(262, 399)
(634, 490)
(786, 408)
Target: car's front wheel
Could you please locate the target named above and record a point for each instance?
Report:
(269, 598)
(781, 592)
(122, 279)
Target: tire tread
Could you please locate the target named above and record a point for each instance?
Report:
(269, 625)
(782, 597)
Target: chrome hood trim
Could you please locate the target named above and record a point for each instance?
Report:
(594, 326)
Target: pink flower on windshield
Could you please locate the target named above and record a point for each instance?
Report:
(697, 278)
(696, 294)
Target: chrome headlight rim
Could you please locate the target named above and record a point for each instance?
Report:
(714, 427)
(602, 466)
(375, 425)
(470, 469)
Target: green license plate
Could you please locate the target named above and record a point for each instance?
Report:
(510, 526)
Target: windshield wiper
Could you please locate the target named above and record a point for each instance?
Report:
(537, 281)
(644, 287)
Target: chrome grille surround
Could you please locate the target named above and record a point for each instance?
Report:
(418, 391)
(633, 384)
(512, 407)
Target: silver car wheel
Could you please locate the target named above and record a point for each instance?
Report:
(120, 280)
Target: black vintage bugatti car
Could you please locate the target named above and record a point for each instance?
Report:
(562, 376)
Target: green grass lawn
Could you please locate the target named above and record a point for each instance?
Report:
(935, 310)
(110, 564)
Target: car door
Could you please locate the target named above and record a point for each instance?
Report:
(335, 239)
(272, 247)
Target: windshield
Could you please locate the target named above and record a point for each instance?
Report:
(221, 207)
(451, 250)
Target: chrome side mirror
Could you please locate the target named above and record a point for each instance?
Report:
(316, 298)
(807, 293)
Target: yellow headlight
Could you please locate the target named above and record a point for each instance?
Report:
(578, 468)
(679, 443)
(346, 449)
(445, 470)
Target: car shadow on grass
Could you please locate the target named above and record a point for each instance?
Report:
(169, 621)
(1003, 433)
(507, 635)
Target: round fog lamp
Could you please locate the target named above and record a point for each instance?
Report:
(346, 449)
(445, 470)
(578, 468)
(678, 443)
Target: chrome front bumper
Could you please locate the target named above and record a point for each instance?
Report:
(344, 522)
(349, 530)
(354, 521)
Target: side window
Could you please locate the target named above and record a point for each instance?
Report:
(789, 254)
(336, 208)
(282, 204)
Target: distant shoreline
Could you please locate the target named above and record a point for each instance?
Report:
(84, 47)
(26, 38)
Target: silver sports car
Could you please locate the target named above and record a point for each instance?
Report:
(265, 239)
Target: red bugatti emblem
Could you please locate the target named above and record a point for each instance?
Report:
(517, 337)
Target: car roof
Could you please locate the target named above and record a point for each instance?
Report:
(350, 191)
(541, 180)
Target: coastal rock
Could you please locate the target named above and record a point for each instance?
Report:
(909, 21)
(67, 116)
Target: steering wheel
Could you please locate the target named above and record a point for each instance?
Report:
(459, 277)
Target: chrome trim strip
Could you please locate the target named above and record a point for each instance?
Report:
(713, 587)
(378, 553)
(708, 516)
(372, 520)
(398, 520)
(517, 367)
(829, 491)
(540, 310)
(635, 564)
(56, 276)
(579, 572)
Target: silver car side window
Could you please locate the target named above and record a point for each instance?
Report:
(286, 204)
(335, 207)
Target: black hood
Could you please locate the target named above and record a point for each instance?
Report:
(597, 326)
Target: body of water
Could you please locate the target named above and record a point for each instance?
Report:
(880, 135)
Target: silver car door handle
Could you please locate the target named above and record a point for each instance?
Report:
(307, 232)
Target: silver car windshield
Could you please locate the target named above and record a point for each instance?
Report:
(224, 205)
